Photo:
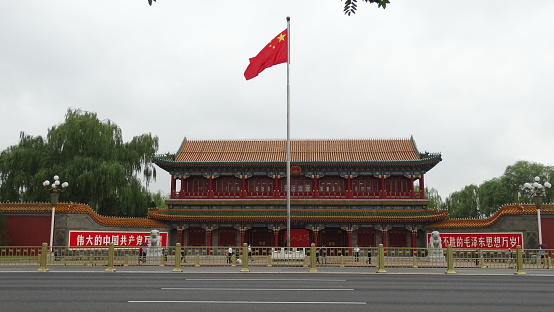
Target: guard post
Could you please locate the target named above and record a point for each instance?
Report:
(449, 260)
(244, 258)
(381, 259)
(177, 267)
(519, 261)
(42, 259)
(111, 252)
(312, 258)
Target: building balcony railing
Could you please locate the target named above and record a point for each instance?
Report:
(296, 195)
(365, 195)
(260, 195)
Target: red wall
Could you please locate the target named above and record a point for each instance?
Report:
(28, 230)
(547, 228)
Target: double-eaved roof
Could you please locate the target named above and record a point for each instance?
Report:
(302, 151)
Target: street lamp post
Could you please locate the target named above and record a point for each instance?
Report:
(537, 191)
(55, 189)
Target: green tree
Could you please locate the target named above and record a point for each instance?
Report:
(350, 6)
(484, 200)
(158, 200)
(522, 172)
(464, 203)
(90, 154)
(492, 194)
(435, 200)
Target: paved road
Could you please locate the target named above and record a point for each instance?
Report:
(155, 291)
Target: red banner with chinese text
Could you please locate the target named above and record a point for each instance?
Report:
(480, 240)
(103, 239)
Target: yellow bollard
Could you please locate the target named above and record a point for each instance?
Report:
(89, 260)
(244, 258)
(341, 261)
(449, 261)
(482, 264)
(381, 259)
(312, 258)
(414, 261)
(269, 261)
(126, 260)
(110, 267)
(177, 267)
(519, 261)
(42, 258)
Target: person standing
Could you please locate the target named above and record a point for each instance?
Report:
(510, 257)
(357, 253)
(229, 254)
(324, 254)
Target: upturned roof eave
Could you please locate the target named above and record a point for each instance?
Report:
(435, 160)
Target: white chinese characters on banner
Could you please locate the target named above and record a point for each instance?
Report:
(88, 239)
(481, 240)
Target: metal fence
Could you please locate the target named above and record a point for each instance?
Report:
(242, 256)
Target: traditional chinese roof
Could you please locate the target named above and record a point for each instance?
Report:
(516, 209)
(46, 208)
(302, 152)
(298, 215)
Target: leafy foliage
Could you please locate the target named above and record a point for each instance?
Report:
(89, 154)
(350, 6)
(464, 203)
(484, 200)
(435, 200)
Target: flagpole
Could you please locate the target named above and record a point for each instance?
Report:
(288, 132)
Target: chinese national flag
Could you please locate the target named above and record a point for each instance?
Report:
(275, 52)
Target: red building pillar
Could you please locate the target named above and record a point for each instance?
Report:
(182, 188)
(242, 235)
(210, 186)
(173, 186)
(384, 238)
(414, 242)
(180, 233)
(349, 238)
(208, 240)
(315, 186)
(383, 188)
(276, 236)
(412, 191)
(349, 186)
(421, 187)
(243, 187)
(276, 187)
(315, 232)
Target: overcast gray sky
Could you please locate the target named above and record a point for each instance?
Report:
(472, 80)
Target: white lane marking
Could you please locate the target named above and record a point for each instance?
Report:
(264, 279)
(258, 289)
(250, 302)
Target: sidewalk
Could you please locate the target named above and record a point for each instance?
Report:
(277, 270)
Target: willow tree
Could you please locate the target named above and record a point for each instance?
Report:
(464, 203)
(435, 200)
(102, 170)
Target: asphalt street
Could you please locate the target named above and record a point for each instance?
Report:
(273, 291)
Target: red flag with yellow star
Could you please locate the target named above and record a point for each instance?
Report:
(275, 52)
